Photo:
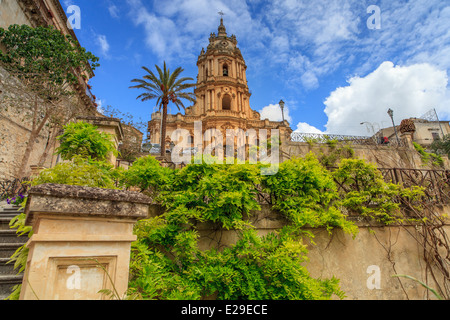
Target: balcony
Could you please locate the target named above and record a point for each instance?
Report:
(223, 113)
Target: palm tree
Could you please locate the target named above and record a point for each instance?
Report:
(165, 88)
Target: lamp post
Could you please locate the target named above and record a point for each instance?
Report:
(282, 108)
(371, 126)
(391, 114)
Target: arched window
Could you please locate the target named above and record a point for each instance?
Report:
(226, 102)
(225, 70)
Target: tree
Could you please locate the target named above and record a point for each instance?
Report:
(47, 66)
(165, 88)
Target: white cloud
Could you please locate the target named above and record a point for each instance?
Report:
(410, 91)
(103, 43)
(68, 3)
(180, 29)
(273, 113)
(304, 127)
(100, 104)
(113, 11)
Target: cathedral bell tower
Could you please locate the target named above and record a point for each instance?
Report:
(222, 98)
(222, 88)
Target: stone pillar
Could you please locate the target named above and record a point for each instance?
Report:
(406, 137)
(108, 125)
(81, 241)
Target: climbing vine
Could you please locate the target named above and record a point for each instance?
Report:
(436, 160)
(167, 262)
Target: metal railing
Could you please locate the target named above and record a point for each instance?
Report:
(13, 188)
(327, 138)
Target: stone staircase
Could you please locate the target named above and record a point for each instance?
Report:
(9, 242)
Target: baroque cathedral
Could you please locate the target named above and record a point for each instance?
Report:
(222, 98)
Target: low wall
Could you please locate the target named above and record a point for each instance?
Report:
(74, 226)
(381, 156)
(81, 241)
(365, 265)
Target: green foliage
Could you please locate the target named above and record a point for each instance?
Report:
(364, 191)
(331, 151)
(80, 172)
(19, 257)
(168, 264)
(441, 146)
(147, 174)
(44, 59)
(83, 139)
(304, 191)
(436, 160)
(256, 268)
(220, 193)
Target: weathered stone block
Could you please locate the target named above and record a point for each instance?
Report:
(81, 242)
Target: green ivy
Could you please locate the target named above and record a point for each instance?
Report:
(436, 159)
(364, 192)
(305, 192)
(168, 264)
(166, 260)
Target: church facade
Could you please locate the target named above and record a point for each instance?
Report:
(222, 100)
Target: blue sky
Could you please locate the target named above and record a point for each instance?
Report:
(325, 59)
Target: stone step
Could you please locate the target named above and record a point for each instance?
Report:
(8, 249)
(9, 215)
(7, 282)
(6, 268)
(10, 236)
(4, 223)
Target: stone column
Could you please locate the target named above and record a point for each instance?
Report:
(108, 125)
(81, 241)
(406, 137)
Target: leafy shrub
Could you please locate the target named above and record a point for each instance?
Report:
(436, 159)
(364, 191)
(168, 264)
(80, 172)
(148, 175)
(305, 192)
(441, 146)
(83, 139)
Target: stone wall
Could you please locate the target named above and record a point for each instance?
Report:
(377, 253)
(75, 224)
(11, 13)
(15, 129)
(381, 156)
